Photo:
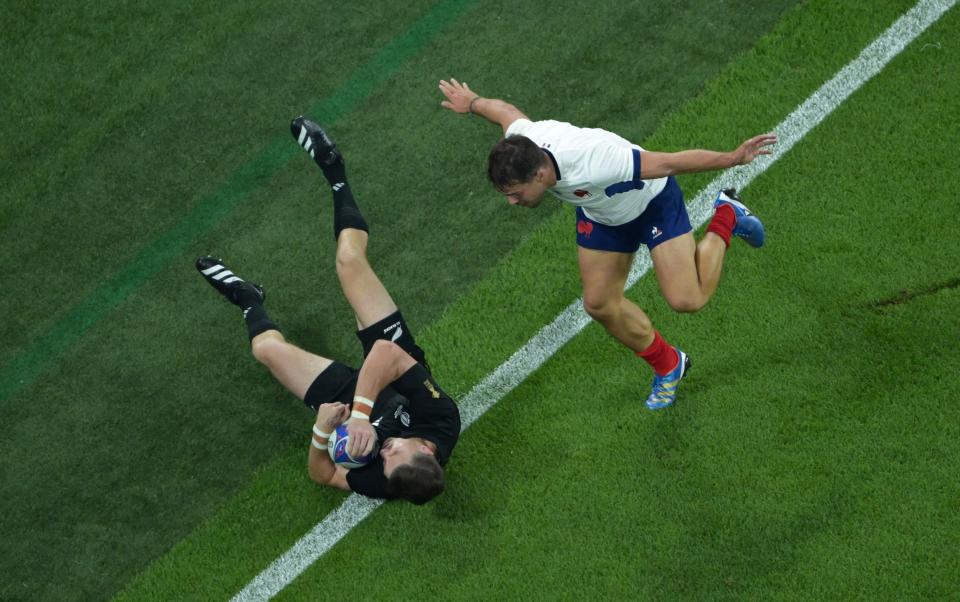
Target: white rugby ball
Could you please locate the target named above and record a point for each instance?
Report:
(337, 448)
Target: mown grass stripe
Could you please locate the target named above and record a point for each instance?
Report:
(573, 319)
(30, 363)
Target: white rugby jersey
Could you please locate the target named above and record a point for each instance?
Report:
(596, 169)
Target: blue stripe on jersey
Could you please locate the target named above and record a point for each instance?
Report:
(635, 184)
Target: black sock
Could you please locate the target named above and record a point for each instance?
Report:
(256, 317)
(346, 214)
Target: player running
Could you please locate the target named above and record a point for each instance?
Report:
(392, 398)
(625, 196)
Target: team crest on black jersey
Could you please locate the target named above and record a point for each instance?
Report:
(403, 416)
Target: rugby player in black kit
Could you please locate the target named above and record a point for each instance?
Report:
(392, 399)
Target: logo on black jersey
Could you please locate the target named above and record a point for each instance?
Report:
(403, 416)
(434, 392)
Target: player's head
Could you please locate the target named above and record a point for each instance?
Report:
(519, 169)
(412, 470)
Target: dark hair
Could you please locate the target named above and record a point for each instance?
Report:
(514, 160)
(418, 481)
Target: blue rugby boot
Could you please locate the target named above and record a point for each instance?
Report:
(748, 226)
(665, 387)
(315, 141)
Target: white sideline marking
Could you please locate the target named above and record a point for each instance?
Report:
(572, 320)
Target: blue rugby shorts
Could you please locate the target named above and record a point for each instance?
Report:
(664, 218)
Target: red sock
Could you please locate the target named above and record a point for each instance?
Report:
(724, 219)
(660, 355)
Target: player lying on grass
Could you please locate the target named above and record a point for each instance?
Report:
(392, 399)
(625, 196)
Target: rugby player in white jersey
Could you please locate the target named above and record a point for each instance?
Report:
(625, 196)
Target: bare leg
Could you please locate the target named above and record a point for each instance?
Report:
(293, 367)
(366, 294)
(689, 274)
(603, 275)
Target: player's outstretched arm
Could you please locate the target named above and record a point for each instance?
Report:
(659, 165)
(320, 466)
(385, 363)
(461, 99)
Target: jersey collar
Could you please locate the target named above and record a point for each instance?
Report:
(556, 167)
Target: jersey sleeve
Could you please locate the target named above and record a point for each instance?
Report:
(369, 480)
(518, 128)
(435, 416)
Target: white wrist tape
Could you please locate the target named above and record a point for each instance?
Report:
(358, 414)
(363, 400)
(318, 445)
(319, 433)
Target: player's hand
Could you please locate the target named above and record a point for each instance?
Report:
(459, 96)
(362, 437)
(752, 148)
(331, 415)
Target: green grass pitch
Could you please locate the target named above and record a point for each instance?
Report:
(145, 455)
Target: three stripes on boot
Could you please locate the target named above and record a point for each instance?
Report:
(221, 274)
(305, 141)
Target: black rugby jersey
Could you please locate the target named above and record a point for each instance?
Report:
(419, 408)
